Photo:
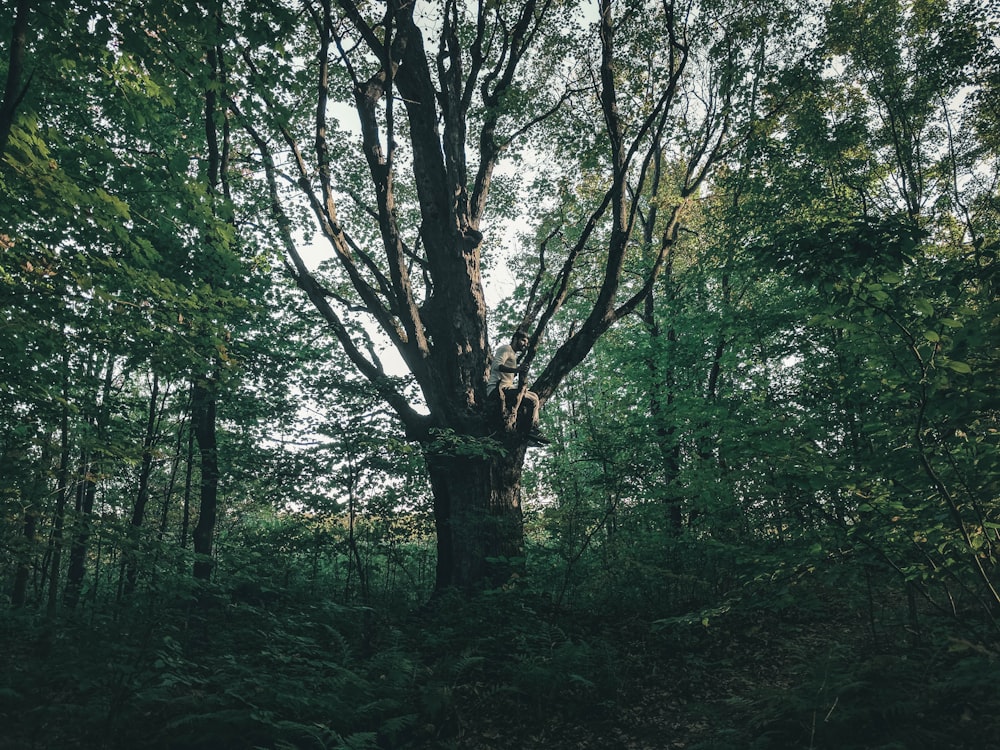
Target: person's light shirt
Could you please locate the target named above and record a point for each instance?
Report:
(504, 355)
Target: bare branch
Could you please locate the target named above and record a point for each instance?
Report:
(366, 98)
(535, 303)
(371, 368)
(326, 214)
(357, 20)
(624, 212)
(501, 77)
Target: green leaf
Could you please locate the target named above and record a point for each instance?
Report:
(959, 366)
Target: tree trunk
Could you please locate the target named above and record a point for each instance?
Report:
(86, 492)
(477, 516)
(168, 495)
(59, 516)
(188, 474)
(20, 590)
(86, 495)
(203, 409)
(33, 493)
(437, 318)
(662, 392)
(14, 91)
(142, 495)
(203, 388)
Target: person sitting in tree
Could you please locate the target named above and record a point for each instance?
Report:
(500, 386)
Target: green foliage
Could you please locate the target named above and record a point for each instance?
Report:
(837, 254)
(448, 442)
(232, 677)
(839, 698)
(775, 652)
(768, 518)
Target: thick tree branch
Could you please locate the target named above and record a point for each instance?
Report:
(367, 97)
(623, 211)
(413, 80)
(454, 114)
(325, 213)
(363, 28)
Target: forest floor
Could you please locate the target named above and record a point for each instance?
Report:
(698, 698)
(810, 680)
(508, 672)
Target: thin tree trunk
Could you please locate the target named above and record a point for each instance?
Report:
(32, 493)
(86, 495)
(142, 495)
(188, 483)
(352, 542)
(662, 392)
(172, 481)
(62, 492)
(203, 393)
(203, 421)
(86, 491)
(19, 592)
(14, 91)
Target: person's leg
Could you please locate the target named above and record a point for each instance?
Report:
(530, 403)
(527, 413)
(532, 400)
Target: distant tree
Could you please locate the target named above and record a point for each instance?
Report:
(114, 269)
(864, 200)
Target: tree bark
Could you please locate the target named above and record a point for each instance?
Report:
(142, 494)
(19, 592)
(62, 493)
(35, 491)
(188, 476)
(203, 418)
(662, 392)
(86, 492)
(477, 516)
(204, 389)
(14, 91)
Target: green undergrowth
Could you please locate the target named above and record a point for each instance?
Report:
(512, 668)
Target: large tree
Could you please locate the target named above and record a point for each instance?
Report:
(608, 95)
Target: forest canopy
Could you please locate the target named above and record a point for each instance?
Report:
(255, 260)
